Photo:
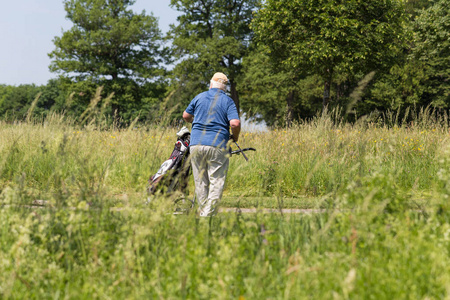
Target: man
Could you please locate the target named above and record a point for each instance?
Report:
(211, 113)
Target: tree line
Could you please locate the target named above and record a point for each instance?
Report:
(286, 60)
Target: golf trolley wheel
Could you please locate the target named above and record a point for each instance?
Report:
(183, 203)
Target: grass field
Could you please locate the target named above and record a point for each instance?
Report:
(384, 232)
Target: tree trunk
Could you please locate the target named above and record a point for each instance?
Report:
(338, 93)
(234, 95)
(327, 88)
(289, 102)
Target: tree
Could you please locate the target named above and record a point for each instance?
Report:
(212, 35)
(264, 87)
(420, 77)
(414, 6)
(110, 45)
(400, 88)
(15, 100)
(330, 37)
(432, 49)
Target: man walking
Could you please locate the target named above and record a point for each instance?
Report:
(211, 113)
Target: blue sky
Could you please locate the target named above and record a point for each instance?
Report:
(27, 28)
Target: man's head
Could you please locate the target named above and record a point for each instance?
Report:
(219, 81)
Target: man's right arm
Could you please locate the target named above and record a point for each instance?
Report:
(188, 117)
(235, 125)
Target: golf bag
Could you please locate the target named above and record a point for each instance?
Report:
(173, 174)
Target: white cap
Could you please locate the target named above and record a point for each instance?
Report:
(220, 77)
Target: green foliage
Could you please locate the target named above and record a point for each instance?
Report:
(432, 48)
(306, 55)
(262, 89)
(108, 40)
(413, 7)
(111, 46)
(420, 76)
(400, 88)
(212, 36)
(331, 38)
(276, 96)
(15, 101)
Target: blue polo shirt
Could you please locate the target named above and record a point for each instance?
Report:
(212, 111)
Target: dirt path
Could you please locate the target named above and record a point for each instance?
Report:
(42, 204)
(271, 210)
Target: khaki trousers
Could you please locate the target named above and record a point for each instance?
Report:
(209, 166)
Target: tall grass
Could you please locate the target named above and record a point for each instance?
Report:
(384, 235)
(315, 158)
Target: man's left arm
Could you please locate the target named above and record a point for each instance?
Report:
(233, 118)
(235, 125)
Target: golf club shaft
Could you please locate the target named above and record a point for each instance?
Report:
(241, 151)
